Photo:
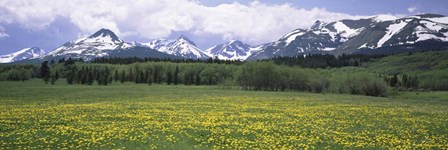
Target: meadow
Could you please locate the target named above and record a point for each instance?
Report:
(34, 115)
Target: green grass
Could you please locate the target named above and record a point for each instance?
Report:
(137, 116)
(416, 63)
(430, 67)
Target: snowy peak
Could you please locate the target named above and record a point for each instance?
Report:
(104, 36)
(99, 44)
(233, 50)
(318, 25)
(182, 46)
(362, 36)
(24, 54)
(186, 40)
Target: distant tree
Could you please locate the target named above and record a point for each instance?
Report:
(158, 73)
(90, 78)
(70, 74)
(176, 76)
(123, 76)
(69, 61)
(131, 75)
(149, 78)
(62, 60)
(198, 78)
(116, 77)
(137, 78)
(53, 78)
(45, 71)
(169, 77)
(404, 81)
(394, 81)
(56, 75)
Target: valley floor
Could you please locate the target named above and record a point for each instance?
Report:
(137, 116)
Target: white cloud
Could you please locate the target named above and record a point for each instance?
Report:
(3, 34)
(412, 9)
(256, 22)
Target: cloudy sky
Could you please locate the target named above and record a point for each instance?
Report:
(50, 23)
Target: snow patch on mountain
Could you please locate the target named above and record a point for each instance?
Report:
(345, 31)
(233, 50)
(24, 54)
(158, 43)
(328, 49)
(384, 17)
(440, 20)
(430, 30)
(391, 30)
(288, 38)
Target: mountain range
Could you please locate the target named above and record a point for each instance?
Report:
(376, 35)
(24, 54)
(381, 34)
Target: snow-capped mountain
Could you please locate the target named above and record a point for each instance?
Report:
(377, 34)
(233, 50)
(181, 47)
(24, 54)
(380, 34)
(403, 33)
(97, 45)
(103, 43)
(158, 43)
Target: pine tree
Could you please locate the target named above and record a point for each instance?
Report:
(53, 79)
(147, 74)
(137, 78)
(394, 81)
(142, 77)
(123, 76)
(56, 75)
(404, 81)
(198, 78)
(169, 77)
(106, 76)
(176, 76)
(45, 71)
(149, 78)
(71, 72)
(131, 75)
(90, 78)
(116, 76)
(156, 74)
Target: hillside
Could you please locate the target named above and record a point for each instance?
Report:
(411, 62)
(430, 67)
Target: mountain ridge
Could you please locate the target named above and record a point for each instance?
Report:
(361, 36)
(381, 34)
(23, 54)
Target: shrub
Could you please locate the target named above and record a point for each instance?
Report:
(359, 83)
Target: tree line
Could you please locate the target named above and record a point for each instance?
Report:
(277, 74)
(131, 60)
(324, 60)
(265, 76)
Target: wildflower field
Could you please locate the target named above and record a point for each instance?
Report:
(130, 116)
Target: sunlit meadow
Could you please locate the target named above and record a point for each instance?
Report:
(132, 116)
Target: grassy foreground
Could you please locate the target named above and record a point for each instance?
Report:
(130, 116)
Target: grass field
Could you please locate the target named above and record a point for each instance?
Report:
(131, 116)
